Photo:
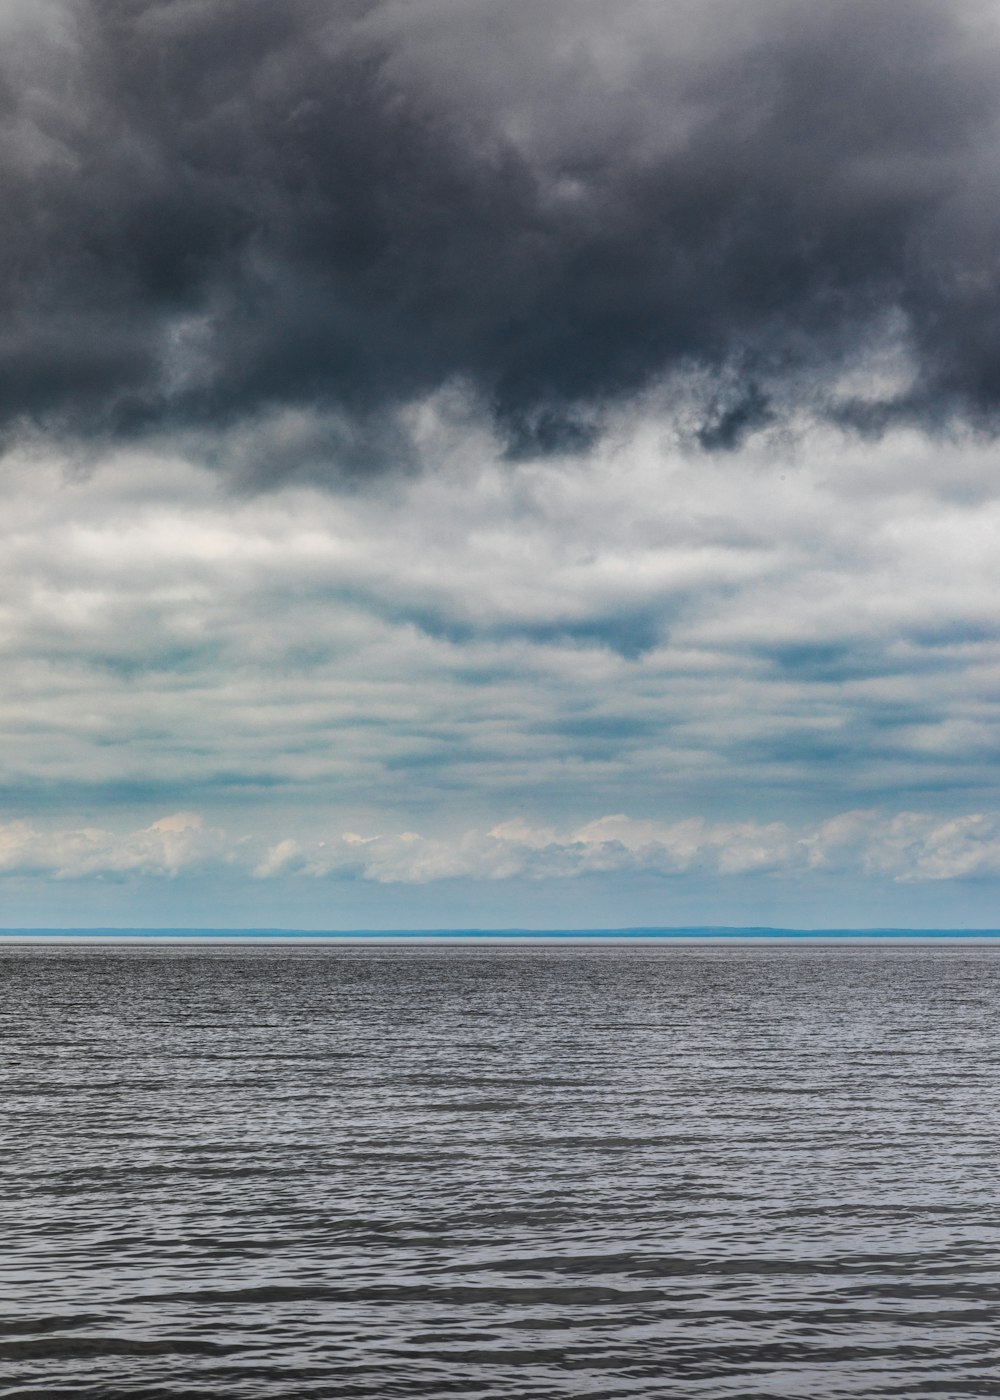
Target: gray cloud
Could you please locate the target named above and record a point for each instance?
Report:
(631, 630)
(304, 219)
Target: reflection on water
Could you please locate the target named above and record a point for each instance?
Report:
(500, 1172)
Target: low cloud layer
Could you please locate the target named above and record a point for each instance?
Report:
(171, 846)
(285, 227)
(910, 846)
(907, 847)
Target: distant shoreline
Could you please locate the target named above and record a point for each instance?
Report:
(644, 936)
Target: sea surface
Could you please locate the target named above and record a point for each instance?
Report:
(537, 1171)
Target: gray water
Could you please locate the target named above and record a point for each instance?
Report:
(500, 1172)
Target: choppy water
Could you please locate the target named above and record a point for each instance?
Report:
(490, 1172)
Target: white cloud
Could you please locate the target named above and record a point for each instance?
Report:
(906, 847)
(173, 844)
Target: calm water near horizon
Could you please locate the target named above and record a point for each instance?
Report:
(731, 1171)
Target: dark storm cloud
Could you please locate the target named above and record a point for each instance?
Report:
(213, 213)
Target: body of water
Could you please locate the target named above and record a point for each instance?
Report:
(534, 1172)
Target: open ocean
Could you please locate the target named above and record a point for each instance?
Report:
(529, 1171)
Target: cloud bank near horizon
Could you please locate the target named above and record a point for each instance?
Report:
(284, 228)
(907, 847)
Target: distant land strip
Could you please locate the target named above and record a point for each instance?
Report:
(608, 935)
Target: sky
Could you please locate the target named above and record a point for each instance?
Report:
(485, 463)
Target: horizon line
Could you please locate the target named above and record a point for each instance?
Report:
(650, 933)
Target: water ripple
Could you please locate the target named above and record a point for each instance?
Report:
(752, 1173)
